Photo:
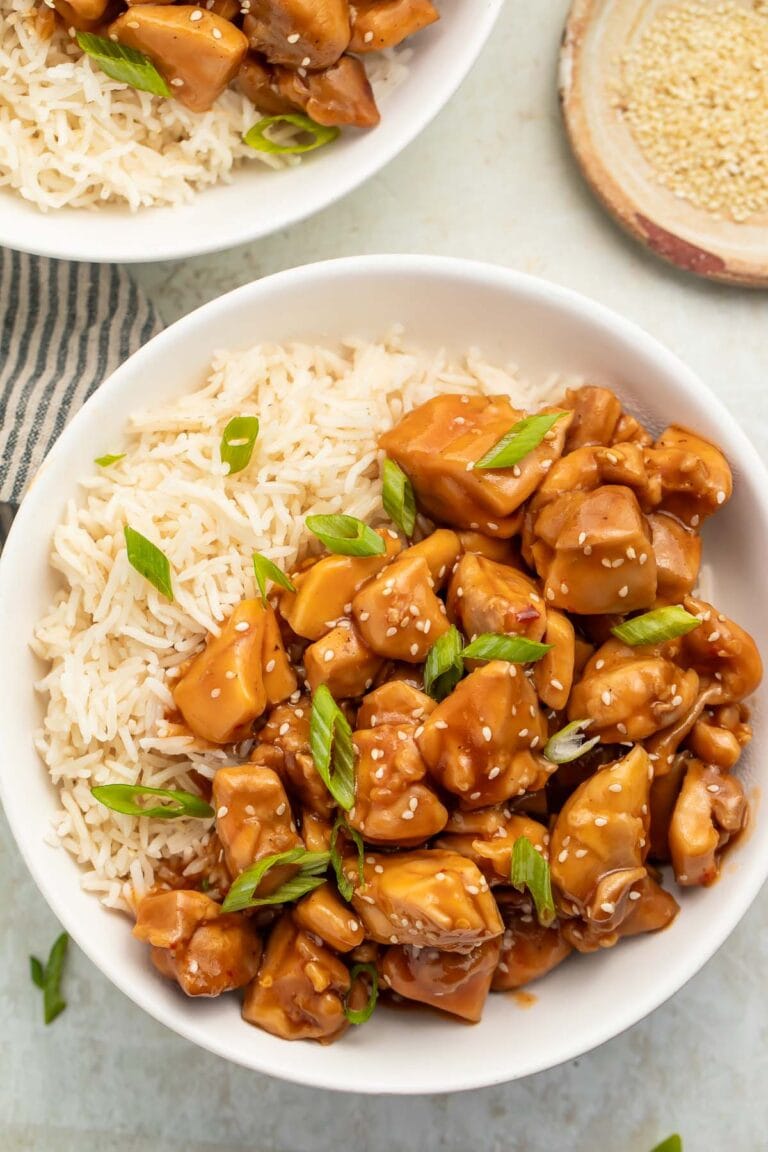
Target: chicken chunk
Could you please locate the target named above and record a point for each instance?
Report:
(528, 951)
(454, 982)
(553, 674)
(694, 475)
(380, 24)
(710, 811)
(720, 735)
(187, 44)
(484, 596)
(301, 987)
(324, 590)
(343, 662)
(488, 837)
(207, 953)
(724, 655)
(398, 614)
(316, 831)
(393, 803)
(299, 33)
(480, 742)
(227, 686)
(665, 789)
(651, 910)
(435, 443)
(395, 702)
(85, 15)
(323, 913)
(254, 820)
(285, 747)
(599, 842)
(430, 899)
(596, 413)
(678, 557)
(441, 550)
(630, 693)
(593, 550)
(337, 96)
(503, 551)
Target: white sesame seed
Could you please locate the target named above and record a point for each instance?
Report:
(623, 592)
(642, 558)
(306, 62)
(720, 497)
(473, 890)
(284, 728)
(379, 773)
(391, 632)
(408, 815)
(353, 925)
(196, 15)
(614, 787)
(564, 588)
(328, 655)
(600, 821)
(280, 810)
(606, 697)
(676, 701)
(414, 649)
(250, 810)
(713, 787)
(608, 907)
(556, 684)
(378, 869)
(600, 664)
(243, 626)
(474, 795)
(631, 553)
(713, 636)
(523, 733)
(368, 37)
(222, 812)
(582, 538)
(413, 803)
(634, 895)
(215, 693)
(487, 734)
(549, 594)
(216, 33)
(269, 666)
(580, 853)
(492, 527)
(441, 724)
(177, 82)
(562, 856)
(293, 38)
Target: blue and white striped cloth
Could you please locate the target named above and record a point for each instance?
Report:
(63, 328)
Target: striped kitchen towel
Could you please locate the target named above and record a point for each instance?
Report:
(63, 328)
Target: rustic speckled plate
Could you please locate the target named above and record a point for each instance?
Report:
(597, 34)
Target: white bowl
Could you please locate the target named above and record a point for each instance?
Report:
(455, 304)
(260, 201)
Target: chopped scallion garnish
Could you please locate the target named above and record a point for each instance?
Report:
(310, 875)
(569, 743)
(398, 497)
(521, 439)
(123, 797)
(330, 739)
(671, 1144)
(123, 63)
(530, 870)
(320, 135)
(346, 535)
(444, 665)
(343, 883)
(514, 649)
(237, 441)
(361, 1015)
(48, 978)
(105, 461)
(263, 570)
(149, 561)
(657, 626)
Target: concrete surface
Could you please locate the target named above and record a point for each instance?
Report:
(491, 179)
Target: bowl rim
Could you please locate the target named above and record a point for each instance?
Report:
(281, 216)
(633, 1009)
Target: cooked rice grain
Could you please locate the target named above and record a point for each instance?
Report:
(113, 643)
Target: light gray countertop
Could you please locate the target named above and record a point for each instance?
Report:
(491, 179)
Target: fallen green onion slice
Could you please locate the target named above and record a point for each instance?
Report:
(264, 570)
(237, 441)
(343, 883)
(444, 665)
(311, 874)
(149, 561)
(121, 798)
(569, 743)
(346, 535)
(515, 649)
(671, 1144)
(330, 739)
(657, 626)
(124, 63)
(398, 497)
(530, 870)
(105, 461)
(257, 138)
(521, 439)
(361, 1015)
(48, 978)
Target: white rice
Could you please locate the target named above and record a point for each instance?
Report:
(69, 135)
(112, 642)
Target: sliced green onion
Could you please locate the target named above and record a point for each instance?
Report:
(124, 63)
(530, 870)
(444, 665)
(363, 1014)
(346, 535)
(398, 497)
(311, 874)
(237, 441)
(521, 439)
(105, 461)
(264, 570)
(330, 739)
(657, 626)
(343, 883)
(671, 1144)
(48, 978)
(569, 743)
(149, 561)
(515, 649)
(120, 798)
(257, 138)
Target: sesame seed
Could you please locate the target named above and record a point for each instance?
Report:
(642, 558)
(492, 527)
(549, 594)
(459, 593)
(222, 812)
(634, 895)
(414, 649)
(606, 697)
(474, 795)
(216, 33)
(177, 82)
(196, 15)
(720, 497)
(695, 521)
(441, 724)
(269, 666)
(280, 810)
(600, 664)
(623, 592)
(580, 853)
(364, 616)
(368, 37)
(607, 907)
(215, 693)
(713, 636)
(713, 787)
(564, 588)
(556, 684)
(523, 733)
(353, 925)
(328, 655)
(402, 735)
(582, 538)
(293, 38)
(676, 701)
(391, 632)
(379, 773)
(631, 554)
(614, 787)
(306, 62)
(562, 856)
(377, 754)
(600, 821)
(487, 734)
(242, 626)
(378, 869)
(408, 815)
(284, 728)
(413, 803)
(473, 890)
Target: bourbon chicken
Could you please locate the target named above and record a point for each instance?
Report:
(457, 754)
(285, 56)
